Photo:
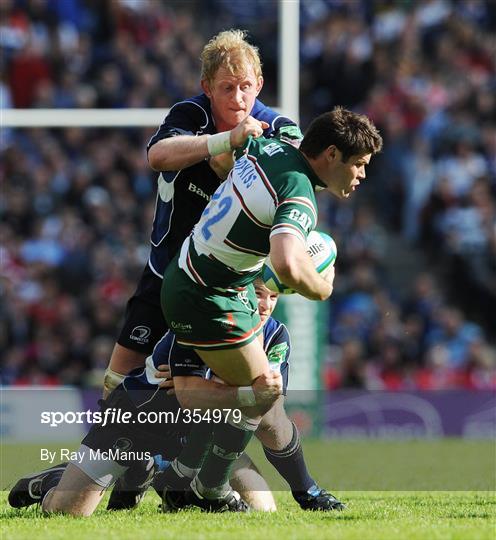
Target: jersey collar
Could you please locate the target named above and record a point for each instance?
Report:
(316, 182)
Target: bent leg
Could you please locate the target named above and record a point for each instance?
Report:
(237, 367)
(247, 480)
(282, 447)
(76, 494)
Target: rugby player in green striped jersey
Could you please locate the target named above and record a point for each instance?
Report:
(266, 207)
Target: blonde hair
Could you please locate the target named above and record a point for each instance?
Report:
(230, 50)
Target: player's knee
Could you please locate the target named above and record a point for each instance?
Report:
(69, 503)
(251, 485)
(55, 502)
(46, 504)
(259, 501)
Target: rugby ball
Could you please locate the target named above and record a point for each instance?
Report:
(321, 248)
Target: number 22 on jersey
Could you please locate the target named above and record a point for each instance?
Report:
(219, 210)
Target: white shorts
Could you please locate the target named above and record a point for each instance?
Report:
(103, 472)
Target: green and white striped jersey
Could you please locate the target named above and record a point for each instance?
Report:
(269, 191)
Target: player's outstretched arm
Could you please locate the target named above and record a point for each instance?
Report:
(175, 153)
(295, 268)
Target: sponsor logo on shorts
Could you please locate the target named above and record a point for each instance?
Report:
(141, 334)
(123, 444)
(243, 298)
(186, 328)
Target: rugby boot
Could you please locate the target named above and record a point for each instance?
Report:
(32, 488)
(230, 502)
(317, 498)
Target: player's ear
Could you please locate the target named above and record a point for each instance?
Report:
(332, 152)
(260, 82)
(206, 88)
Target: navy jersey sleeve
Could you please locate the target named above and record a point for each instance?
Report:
(278, 349)
(184, 118)
(279, 126)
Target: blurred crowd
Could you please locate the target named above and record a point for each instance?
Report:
(77, 204)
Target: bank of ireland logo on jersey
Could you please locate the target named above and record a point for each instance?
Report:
(140, 334)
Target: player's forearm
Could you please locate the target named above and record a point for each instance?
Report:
(177, 153)
(205, 394)
(299, 274)
(295, 268)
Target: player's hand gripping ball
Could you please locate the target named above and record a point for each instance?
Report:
(321, 248)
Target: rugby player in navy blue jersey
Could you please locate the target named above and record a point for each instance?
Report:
(78, 488)
(190, 150)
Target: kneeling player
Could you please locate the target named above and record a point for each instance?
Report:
(80, 486)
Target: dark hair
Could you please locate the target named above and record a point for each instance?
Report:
(350, 132)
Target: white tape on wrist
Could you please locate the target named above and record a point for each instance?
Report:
(219, 143)
(112, 379)
(246, 396)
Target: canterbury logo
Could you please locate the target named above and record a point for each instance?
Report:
(141, 334)
(123, 444)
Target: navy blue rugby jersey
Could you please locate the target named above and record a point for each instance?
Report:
(182, 195)
(141, 383)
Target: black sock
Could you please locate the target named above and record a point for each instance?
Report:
(229, 442)
(290, 464)
(197, 445)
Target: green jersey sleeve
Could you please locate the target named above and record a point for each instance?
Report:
(296, 212)
(289, 134)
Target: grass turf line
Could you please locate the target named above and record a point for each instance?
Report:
(370, 515)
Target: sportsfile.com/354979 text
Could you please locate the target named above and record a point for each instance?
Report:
(117, 416)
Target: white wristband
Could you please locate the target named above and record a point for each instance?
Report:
(219, 143)
(246, 396)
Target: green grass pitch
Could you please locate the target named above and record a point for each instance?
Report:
(370, 515)
(398, 514)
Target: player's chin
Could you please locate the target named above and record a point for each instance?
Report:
(238, 116)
